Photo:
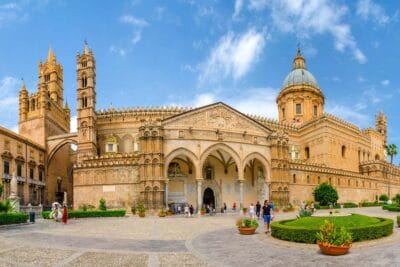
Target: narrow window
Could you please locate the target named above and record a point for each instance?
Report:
(84, 64)
(330, 180)
(6, 167)
(283, 113)
(343, 151)
(315, 110)
(319, 180)
(294, 178)
(298, 108)
(307, 152)
(47, 77)
(41, 175)
(348, 182)
(19, 169)
(308, 179)
(84, 81)
(31, 173)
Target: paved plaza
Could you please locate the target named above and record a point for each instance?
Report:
(176, 241)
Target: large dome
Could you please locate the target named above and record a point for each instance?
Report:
(300, 77)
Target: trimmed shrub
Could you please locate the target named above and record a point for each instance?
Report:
(89, 213)
(383, 197)
(397, 199)
(348, 205)
(319, 207)
(370, 204)
(300, 234)
(102, 204)
(325, 194)
(391, 207)
(13, 218)
(398, 221)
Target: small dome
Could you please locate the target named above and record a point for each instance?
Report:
(300, 77)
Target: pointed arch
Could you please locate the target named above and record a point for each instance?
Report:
(178, 152)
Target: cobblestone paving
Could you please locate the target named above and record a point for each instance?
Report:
(176, 241)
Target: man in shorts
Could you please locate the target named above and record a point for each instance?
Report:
(266, 212)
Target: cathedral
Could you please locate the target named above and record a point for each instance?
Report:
(207, 155)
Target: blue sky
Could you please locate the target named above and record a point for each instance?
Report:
(191, 53)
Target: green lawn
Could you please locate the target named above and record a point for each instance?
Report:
(354, 220)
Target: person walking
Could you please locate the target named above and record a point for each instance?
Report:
(266, 212)
(224, 207)
(191, 210)
(251, 211)
(258, 209)
(65, 215)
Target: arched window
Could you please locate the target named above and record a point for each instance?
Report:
(377, 157)
(294, 178)
(338, 181)
(84, 64)
(47, 77)
(348, 182)
(84, 81)
(315, 110)
(308, 179)
(319, 180)
(330, 180)
(307, 152)
(84, 102)
(343, 151)
(283, 113)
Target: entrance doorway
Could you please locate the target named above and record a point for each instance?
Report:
(208, 197)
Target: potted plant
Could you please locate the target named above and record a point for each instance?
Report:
(162, 213)
(244, 210)
(141, 210)
(246, 226)
(133, 209)
(332, 240)
(203, 211)
(169, 212)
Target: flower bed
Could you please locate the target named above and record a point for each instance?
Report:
(89, 213)
(13, 218)
(304, 230)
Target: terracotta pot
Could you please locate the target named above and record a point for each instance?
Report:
(329, 249)
(162, 215)
(142, 214)
(247, 231)
(169, 213)
(202, 212)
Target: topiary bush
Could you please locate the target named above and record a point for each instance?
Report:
(383, 197)
(397, 199)
(391, 207)
(398, 221)
(308, 235)
(13, 218)
(370, 204)
(348, 205)
(102, 204)
(325, 194)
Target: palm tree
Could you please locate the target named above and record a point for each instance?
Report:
(391, 151)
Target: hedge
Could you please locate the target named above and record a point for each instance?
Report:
(319, 207)
(13, 218)
(391, 207)
(398, 221)
(348, 205)
(89, 213)
(303, 235)
(371, 204)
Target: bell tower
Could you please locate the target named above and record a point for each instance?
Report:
(43, 114)
(381, 126)
(86, 103)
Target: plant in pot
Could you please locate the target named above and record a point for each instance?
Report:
(141, 210)
(332, 240)
(203, 211)
(133, 209)
(244, 210)
(247, 226)
(162, 213)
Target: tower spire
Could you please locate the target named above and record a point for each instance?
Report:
(50, 55)
(299, 61)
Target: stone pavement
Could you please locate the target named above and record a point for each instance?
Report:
(176, 241)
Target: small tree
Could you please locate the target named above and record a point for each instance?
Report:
(397, 198)
(383, 197)
(325, 194)
(102, 204)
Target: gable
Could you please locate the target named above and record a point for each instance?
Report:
(218, 116)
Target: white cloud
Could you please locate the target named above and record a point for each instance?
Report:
(138, 22)
(118, 50)
(385, 82)
(238, 8)
(15, 128)
(137, 35)
(204, 99)
(367, 9)
(233, 55)
(257, 5)
(9, 87)
(352, 114)
(74, 124)
(308, 18)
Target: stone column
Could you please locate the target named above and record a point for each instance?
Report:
(266, 191)
(240, 193)
(14, 199)
(166, 194)
(199, 182)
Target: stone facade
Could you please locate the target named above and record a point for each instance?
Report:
(204, 156)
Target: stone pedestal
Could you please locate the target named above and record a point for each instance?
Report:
(199, 200)
(14, 199)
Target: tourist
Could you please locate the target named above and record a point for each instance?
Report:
(65, 215)
(251, 211)
(258, 209)
(267, 212)
(179, 209)
(191, 210)
(234, 206)
(224, 207)
(312, 207)
(187, 214)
